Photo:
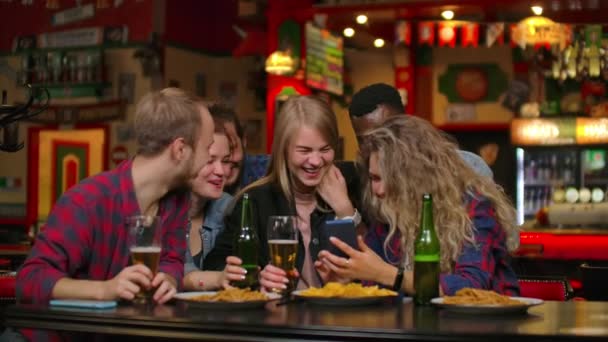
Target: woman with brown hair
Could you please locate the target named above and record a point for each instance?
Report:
(401, 160)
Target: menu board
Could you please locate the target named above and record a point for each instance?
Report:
(324, 60)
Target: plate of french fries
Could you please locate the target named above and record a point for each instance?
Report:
(233, 298)
(477, 301)
(345, 294)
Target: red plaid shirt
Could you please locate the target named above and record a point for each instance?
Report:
(485, 265)
(85, 236)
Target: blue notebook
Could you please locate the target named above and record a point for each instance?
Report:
(88, 304)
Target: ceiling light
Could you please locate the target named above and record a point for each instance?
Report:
(379, 42)
(447, 15)
(348, 32)
(538, 10)
(361, 19)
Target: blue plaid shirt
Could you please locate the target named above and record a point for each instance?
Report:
(484, 266)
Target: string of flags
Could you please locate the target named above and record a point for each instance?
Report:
(536, 31)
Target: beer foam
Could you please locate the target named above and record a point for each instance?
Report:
(283, 242)
(146, 249)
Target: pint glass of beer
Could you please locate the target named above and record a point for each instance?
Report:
(144, 246)
(282, 236)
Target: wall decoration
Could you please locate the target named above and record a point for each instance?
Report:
(10, 184)
(495, 33)
(324, 60)
(473, 83)
(200, 81)
(116, 35)
(470, 34)
(228, 93)
(12, 210)
(426, 32)
(126, 87)
(61, 158)
(447, 34)
(70, 114)
(253, 134)
(517, 94)
(71, 38)
(403, 32)
(73, 14)
(461, 112)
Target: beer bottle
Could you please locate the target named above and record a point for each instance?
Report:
(246, 246)
(426, 256)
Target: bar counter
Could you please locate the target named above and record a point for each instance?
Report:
(564, 321)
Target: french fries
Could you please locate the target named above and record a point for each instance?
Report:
(352, 290)
(469, 296)
(232, 295)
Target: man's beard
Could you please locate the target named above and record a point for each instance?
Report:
(183, 181)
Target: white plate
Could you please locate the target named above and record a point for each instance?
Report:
(489, 308)
(186, 297)
(341, 301)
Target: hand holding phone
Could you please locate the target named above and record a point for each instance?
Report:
(342, 229)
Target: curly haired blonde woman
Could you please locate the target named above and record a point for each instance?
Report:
(401, 160)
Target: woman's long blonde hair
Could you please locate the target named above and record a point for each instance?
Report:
(296, 112)
(415, 158)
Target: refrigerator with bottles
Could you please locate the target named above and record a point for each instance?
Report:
(560, 161)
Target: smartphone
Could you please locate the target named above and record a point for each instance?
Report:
(341, 229)
(87, 304)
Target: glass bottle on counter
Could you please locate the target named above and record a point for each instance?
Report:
(246, 246)
(426, 256)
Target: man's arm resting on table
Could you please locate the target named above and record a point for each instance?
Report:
(125, 285)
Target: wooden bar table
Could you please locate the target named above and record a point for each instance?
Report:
(564, 321)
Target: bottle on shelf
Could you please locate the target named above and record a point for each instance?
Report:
(568, 172)
(530, 171)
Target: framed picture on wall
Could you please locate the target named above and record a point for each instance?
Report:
(228, 93)
(126, 86)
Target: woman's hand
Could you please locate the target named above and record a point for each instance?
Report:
(334, 192)
(326, 274)
(232, 272)
(272, 277)
(362, 265)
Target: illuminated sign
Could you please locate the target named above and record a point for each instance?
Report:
(591, 131)
(563, 131)
(543, 131)
(541, 30)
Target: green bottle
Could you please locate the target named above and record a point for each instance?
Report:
(426, 256)
(246, 246)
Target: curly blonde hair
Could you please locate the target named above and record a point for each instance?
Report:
(415, 158)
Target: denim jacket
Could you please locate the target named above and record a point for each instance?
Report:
(213, 225)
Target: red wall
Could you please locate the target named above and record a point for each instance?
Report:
(19, 20)
(204, 25)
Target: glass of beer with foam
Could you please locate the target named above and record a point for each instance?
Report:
(144, 247)
(282, 234)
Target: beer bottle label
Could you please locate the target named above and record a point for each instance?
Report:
(426, 258)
